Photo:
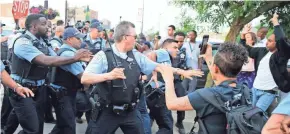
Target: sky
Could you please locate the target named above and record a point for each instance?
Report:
(157, 13)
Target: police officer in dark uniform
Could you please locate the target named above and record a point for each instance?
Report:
(159, 112)
(66, 82)
(116, 73)
(30, 62)
(180, 62)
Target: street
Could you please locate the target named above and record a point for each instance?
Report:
(81, 128)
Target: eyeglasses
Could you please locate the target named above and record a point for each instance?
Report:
(135, 36)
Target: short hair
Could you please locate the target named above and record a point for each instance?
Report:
(168, 41)
(112, 30)
(88, 22)
(193, 32)
(32, 18)
(122, 29)
(59, 22)
(179, 34)
(172, 26)
(263, 28)
(254, 37)
(230, 58)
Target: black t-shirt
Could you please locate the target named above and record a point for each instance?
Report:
(213, 119)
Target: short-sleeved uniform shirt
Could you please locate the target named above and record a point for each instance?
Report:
(24, 49)
(99, 63)
(92, 41)
(74, 68)
(283, 107)
(54, 43)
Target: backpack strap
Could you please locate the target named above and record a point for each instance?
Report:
(212, 98)
(57, 39)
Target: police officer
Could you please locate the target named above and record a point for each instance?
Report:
(179, 62)
(66, 82)
(30, 62)
(56, 41)
(93, 40)
(160, 112)
(116, 72)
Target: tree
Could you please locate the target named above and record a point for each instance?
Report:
(186, 22)
(235, 14)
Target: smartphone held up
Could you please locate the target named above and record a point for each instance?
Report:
(203, 44)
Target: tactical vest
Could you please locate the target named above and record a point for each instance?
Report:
(24, 68)
(94, 48)
(57, 39)
(112, 92)
(65, 78)
(4, 50)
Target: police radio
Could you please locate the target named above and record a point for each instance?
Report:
(116, 83)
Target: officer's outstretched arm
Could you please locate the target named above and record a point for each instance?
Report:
(61, 60)
(92, 78)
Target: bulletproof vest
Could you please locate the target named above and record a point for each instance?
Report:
(57, 39)
(94, 48)
(4, 50)
(65, 78)
(112, 92)
(24, 68)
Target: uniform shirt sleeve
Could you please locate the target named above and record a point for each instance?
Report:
(147, 66)
(74, 68)
(55, 44)
(2, 66)
(98, 64)
(283, 107)
(24, 49)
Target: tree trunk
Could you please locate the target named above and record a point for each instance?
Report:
(235, 30)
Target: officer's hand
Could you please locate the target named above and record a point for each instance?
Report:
(117, 73)
(24, 92)
(285, 125)
(83, 55)
(189, 73)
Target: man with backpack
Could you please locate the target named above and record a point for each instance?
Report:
(219, 109)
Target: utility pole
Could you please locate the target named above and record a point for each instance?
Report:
(142, 17)
(66, 13)
(120, 18)
(46, 4)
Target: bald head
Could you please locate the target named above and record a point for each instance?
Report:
(59, 31)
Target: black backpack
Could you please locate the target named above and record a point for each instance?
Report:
(241, 116)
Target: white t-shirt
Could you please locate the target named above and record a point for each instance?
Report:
(192, 54)
(264, 79)
(261, 43)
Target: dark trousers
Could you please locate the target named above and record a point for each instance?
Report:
(65, 109)
(163, 119)
(12, 123)
(87, 114)
(180, 92)
(6, 108)
(108, 122)
(48, 116)
(30, 111)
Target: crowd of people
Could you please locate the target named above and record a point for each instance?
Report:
(120, 80)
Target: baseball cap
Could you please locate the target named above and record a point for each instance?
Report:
(95, 20)
(147, 43)
(72, 32)
(97, 26)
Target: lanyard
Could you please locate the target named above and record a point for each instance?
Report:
(190, 47)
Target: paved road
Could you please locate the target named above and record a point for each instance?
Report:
(81, 128)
